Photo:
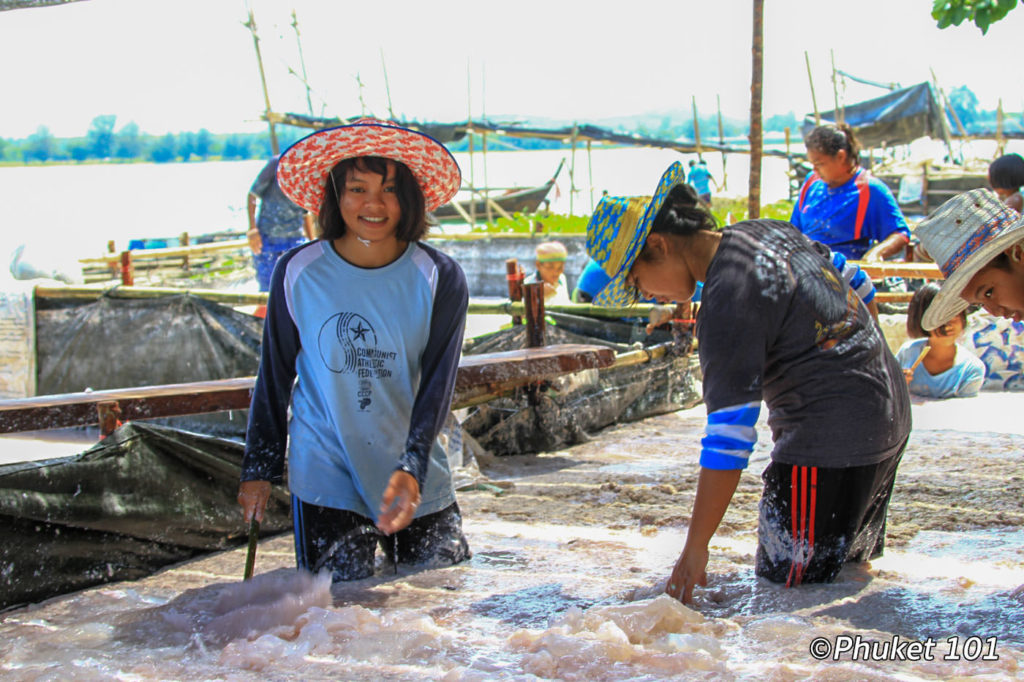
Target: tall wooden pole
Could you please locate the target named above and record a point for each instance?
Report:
(251, 25)
(838, 113)
(387, 87)
(756, 83)
(814, 100)
(721, 142)
(696, 127)
(302, 62)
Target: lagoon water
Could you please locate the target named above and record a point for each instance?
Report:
(65, 212)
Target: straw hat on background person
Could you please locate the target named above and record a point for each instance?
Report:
(966, 237)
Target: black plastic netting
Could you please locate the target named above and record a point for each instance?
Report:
(145, 497)
(568, 409)
(125, 343)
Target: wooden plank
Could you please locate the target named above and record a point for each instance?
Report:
(477, 373)
(893, 269)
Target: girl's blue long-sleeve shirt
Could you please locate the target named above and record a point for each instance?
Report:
(365, 359)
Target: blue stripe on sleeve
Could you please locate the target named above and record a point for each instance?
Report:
(855, 277)
(730, 437)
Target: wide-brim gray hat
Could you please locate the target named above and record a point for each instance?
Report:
(963, 236)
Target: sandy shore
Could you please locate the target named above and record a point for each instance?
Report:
(571, 551)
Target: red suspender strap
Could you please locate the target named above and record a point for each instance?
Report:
(803, 190)
(863, 195)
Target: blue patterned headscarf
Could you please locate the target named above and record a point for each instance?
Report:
(618, 230)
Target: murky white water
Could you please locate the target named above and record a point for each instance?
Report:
(549, 597)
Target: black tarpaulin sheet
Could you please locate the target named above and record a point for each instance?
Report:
(145, 497)
(572, 407)
(899, 117)
(125, 343)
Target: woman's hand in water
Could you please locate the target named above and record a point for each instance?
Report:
(690, 570)
(398, 506)
(253, 497)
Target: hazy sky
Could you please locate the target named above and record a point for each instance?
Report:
(188, 64)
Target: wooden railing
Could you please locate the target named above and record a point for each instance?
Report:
(480, 377)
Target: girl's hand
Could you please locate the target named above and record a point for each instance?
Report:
(253, 497)
(401, 498)
(908, 374)
(255, 241)
(690, 570)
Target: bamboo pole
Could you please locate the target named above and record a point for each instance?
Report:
(696, 128)
(469, 131)
(572, 168)
(945, 124)
(590, 175)
(387, 86)
(810, 80)
(757, 69)
(1000, 140)
(302, 62)
(251, 25)
(721, 143)
(835, 88)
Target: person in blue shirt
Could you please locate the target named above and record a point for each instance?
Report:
(280, 224)
(947, 369)
(700, 179)
(360, 351)
(842, 206)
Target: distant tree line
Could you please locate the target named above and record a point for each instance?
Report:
(103, 143)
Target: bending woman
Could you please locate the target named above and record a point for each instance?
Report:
(778, 323)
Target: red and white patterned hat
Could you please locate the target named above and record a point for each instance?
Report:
(302, 171)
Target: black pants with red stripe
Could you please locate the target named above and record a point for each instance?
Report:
(813, 520)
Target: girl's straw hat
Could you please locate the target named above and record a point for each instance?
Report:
(962, 236)
(617, 231)
(302, 171)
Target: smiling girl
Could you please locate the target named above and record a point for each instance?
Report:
(361, 345)
(778, 323)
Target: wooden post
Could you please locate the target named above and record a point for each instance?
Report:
(184, 241)
(721, 142)
(302, 64)
(112, 265)
(127, 270)
(696, 127)
(514, 275)
(533, 298)
(251, 25)
(469, 131)
(572, 168)
(533, 295)
(924, 187)
(1000, 140)
(108, 415)
(590, 176)
(754, 199)
(814, 100)
(945, 124)
(487, 191)
(835, 89)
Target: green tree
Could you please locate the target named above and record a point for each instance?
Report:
(202, 144)
(983, 13)
(40, 146)
(128, 142)
(100, 137)
(236, 147)
(164, 149)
